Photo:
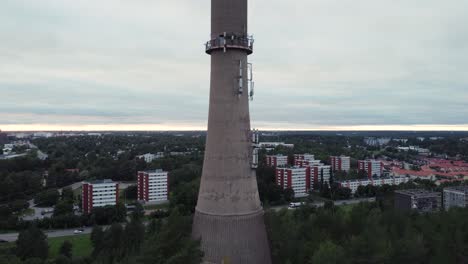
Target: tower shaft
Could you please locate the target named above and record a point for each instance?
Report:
(229, 217)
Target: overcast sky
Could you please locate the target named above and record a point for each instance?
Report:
(319, 64)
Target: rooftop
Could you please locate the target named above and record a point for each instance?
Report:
(154, 171)
(101, 181)
(457, 188)
(417, 192)
(292, 167)
(373, 179)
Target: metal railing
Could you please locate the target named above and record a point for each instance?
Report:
(230, 42)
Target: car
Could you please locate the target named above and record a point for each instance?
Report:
(78, 231)
(295, 205)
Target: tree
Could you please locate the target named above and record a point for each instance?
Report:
(329, 253)
(67, 194)
(154, 227)
(131, 193)
(63, 207)
(113, 249)
(288, 194)
(173, 243)
(410, 249)
(33, 261)
(189, 253)
(10, 259)
(61, 259)
(97, 239)
(109, 214)
(329, 205)
(47, 198)
(325, 191)
(120, 212)
(139, 212)
(342, 193)
(184, 196)
(271, 193)
(32, 243)
(134, 235)
(66, 249)
(360, 192)
(18, 205)
(362, 174)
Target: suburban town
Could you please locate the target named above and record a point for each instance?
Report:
(233, 132)
(71, 185)
(423, 180)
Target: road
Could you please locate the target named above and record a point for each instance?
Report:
(337, 203)
(11, 237)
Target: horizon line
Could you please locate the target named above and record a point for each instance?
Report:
(185, 127)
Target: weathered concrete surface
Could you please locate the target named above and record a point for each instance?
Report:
(229, 216)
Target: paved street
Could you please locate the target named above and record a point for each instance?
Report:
(11, 237)
(337, 203)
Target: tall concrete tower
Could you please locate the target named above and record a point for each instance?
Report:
(229, 216)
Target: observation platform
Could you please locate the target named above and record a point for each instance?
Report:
(230, 41)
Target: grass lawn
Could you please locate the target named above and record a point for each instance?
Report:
(347, 208)
(6, 247)
(81, 245)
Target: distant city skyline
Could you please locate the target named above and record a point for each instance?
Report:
(140, 65)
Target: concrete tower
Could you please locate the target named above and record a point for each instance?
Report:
(229, 216)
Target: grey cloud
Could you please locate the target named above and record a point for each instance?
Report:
(317, 63)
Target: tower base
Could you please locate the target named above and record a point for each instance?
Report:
(235, 239)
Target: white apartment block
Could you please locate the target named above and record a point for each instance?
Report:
(455, 197)
(354, 184)
(372, 167)
(153, 186)
(319, 173)
(276, 160)
(297, 178)
(340, 163)
(371, 141)
(305, 156)
(303, 160)
(148, 157)
(98, 194)
(272, 145)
